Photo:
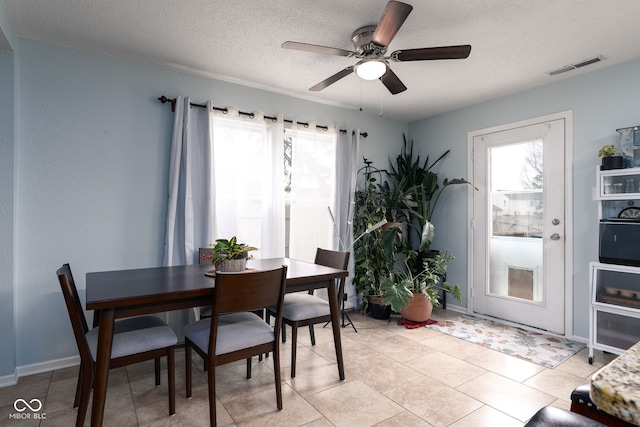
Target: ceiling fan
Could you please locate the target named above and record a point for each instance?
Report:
(371, 44)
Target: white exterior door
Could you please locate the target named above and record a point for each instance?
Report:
(519, 230)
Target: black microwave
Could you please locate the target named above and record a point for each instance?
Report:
(620, 241)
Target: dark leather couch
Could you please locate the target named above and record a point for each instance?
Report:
(557, 417)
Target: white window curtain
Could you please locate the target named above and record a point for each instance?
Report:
(225, 178)
(347, 161)
(190, 204)
(248, 155)
(312, 190)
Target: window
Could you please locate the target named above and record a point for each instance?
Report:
(249, 196)
(312, 191)
(273, 186)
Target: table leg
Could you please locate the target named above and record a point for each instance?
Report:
(105, 340)
(334, 306)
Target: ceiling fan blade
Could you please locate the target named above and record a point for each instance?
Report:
(391, 20)
(317, 49)
(430, 53)
(331, 80)
(392, 82)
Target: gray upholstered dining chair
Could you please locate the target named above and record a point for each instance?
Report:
(306, 309)
(135, 339)
(234, 332)
(204, 312)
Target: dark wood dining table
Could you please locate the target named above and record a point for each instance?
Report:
(126, 293)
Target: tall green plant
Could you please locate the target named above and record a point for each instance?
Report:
(374, 252)
(420, 191)
(425, 199)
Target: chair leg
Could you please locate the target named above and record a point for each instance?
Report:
(211, 379)
(156, 362)
(248, 368)
(294, 345)
(312, 334)
(264, 314)
(171, 373)
(278, 378)
(76, 400)
(85, 390)
(284, 332)
(187, 368)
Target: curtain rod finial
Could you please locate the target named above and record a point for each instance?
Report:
(164, 100)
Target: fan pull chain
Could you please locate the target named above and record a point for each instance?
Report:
(380, 92)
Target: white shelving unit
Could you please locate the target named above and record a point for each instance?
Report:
(615, 308)
(614, 318)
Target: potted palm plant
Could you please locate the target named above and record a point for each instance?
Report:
(420, 191)
(413, 292)
(229, 255)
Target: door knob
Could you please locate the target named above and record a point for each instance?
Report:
(555, 236)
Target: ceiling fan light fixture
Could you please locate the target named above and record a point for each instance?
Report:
(371, 69)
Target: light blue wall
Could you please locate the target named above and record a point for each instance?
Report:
(7, 328)
(92, 156)
(7, 193)
(602, 101)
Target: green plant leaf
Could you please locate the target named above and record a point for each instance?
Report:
(428, 233)
(396, 293)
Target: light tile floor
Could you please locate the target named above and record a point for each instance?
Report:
(394, 377)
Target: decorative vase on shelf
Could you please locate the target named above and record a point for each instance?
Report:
(630, 146)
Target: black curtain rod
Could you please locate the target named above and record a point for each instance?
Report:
(164, 100)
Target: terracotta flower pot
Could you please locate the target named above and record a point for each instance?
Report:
(419, 308)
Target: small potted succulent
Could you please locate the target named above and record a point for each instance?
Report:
(611, 158)
(229, 255)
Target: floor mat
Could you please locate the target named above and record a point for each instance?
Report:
(536, 347)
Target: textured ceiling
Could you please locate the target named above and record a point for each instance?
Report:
(515, 43)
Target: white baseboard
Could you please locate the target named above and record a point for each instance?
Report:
(9, 380)
(38, 368)
(50, 365)
(456, 308)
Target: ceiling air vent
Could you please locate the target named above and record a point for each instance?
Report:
(576, 66)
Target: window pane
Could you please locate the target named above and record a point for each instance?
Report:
(312, 193)
(515, 247)
(242, 161)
